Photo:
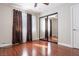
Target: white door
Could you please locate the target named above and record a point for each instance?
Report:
(75, 25)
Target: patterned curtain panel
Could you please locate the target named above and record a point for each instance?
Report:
(17, 26)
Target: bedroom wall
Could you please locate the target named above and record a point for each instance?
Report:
(5, 25)
(64, 23)
(6, 22)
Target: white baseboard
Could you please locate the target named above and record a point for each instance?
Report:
(4, 45)
(67, 45)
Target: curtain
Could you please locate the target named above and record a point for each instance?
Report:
(17, 26)
(29, 27)
(50, 27)
(46, 28)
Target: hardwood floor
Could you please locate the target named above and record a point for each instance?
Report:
(38, 48)
(53, 39)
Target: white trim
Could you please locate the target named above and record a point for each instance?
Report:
(72, 43)
(67, 45)
(4, 45)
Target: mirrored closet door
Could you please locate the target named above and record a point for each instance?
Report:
(49, 28)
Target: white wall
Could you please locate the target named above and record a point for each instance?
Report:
(24, 26)
(6, 23)
(42, 28)
(64, 23)
(35, 28)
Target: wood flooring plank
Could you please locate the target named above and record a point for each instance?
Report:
(38, 48)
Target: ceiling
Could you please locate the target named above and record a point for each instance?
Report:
(40, 7)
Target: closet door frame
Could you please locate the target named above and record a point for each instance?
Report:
(45, 29)
(50, 27)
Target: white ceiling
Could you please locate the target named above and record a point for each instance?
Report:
(40, 6)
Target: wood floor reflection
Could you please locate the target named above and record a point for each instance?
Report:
(53, 39)
(38, 48)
